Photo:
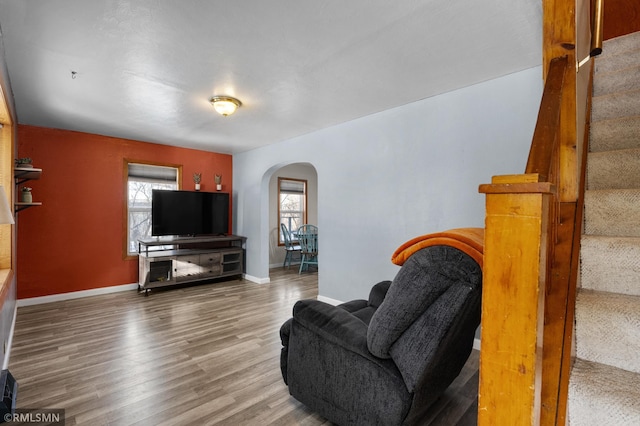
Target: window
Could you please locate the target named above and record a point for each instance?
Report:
(292, 205)
(141, 180)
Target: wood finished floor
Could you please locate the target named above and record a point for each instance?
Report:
(199, 355)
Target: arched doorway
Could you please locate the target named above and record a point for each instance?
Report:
(303, 172)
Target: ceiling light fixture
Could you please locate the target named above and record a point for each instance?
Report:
(225, 105)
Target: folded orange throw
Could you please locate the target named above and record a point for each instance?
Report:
(469, 240)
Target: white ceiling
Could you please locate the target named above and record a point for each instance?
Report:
(145, 69)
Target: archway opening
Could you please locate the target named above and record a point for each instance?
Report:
(306, 175)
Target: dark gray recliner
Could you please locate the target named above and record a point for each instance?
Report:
(386, 360)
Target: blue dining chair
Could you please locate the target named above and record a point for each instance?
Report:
(308, 238)
(289, 246)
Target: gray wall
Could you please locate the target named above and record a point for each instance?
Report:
(391, 176)
(296, 171)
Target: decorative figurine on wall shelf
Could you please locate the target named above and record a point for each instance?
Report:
(218, 179)
(196, 179)
(26, 195)
(24, 163)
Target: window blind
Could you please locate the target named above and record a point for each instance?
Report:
(291, 187)
(149, 173)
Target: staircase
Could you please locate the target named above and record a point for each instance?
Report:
(604, 386)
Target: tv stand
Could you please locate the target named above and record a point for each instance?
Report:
(165, 261)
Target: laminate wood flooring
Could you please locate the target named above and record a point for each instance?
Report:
(200, 355)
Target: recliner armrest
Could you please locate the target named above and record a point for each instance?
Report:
(378, 293)
(333, 324)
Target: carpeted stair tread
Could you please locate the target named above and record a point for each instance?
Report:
(614, 105)
(612, 212)
(617, 81)
(603, 395)
(610, 264)
(604, 386)
(613, 134)
(608, 329)
(608, 62)
(620, 45)
(617, 169)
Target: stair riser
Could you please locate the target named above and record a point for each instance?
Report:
(623, 104)
(619, 81)
(611, 63)
(608, 329)
(612, 213)
(614, 169)
(604, 387)
(615, 134)
(610, 264)
(620, 45)
(601, 395)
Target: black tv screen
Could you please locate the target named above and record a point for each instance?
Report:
(189, 213)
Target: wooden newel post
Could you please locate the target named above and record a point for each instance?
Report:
(518, 209)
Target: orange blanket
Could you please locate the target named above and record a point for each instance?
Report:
(469, 240)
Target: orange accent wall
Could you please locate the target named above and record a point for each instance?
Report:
(74, 241)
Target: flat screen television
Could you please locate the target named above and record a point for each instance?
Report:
(189, 213)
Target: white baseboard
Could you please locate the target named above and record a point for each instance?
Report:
(257, 280)
(103, 290)
(329, 300)
(279, 265)
(476, 344)
(75, 295)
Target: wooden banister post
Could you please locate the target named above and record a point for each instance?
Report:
(558, 40)
(515, 268)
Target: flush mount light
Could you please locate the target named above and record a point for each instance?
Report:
(225, 105)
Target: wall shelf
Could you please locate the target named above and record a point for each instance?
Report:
(22, 206)
(22, 175)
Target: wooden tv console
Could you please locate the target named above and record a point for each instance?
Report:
(179, 260)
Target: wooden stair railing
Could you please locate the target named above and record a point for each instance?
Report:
(532, 238)
(597, 27)
(521, 231)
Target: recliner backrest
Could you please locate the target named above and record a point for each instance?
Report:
(432, 300)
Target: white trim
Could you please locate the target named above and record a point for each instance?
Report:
(75, 295)
(279, 265)
(257, 280)
(329, 300)
(476, 344)
(98, 291)
(582, 62)
(7, 354)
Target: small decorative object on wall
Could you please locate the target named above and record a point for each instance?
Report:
(24, 163)
(26, 195)
(196, 179)
(218, 179)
